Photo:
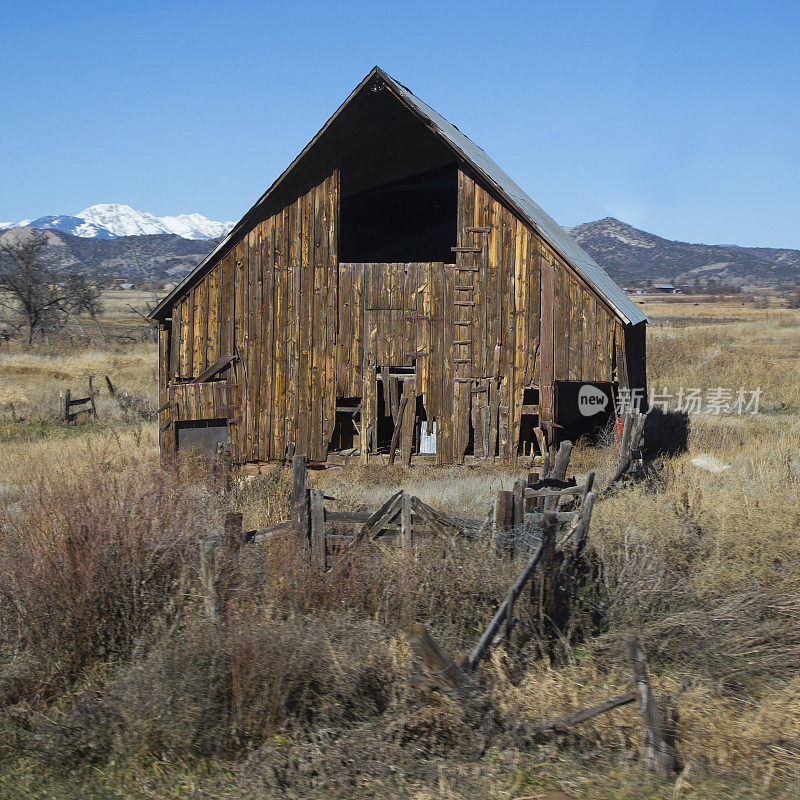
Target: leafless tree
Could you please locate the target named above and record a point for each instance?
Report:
(84, 298)
(34, 298)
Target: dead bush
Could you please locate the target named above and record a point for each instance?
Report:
(209, 689)
(734, 639)
(451, 586)
(92, 555)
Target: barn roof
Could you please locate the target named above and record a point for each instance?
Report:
(496, 179)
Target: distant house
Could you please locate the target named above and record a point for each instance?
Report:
(126, 287)
(664, 288)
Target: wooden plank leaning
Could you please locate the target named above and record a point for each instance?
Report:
(500, 615)
(568, 721)
(397, 427)
(659, 756)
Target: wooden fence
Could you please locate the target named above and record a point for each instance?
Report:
(70, 404)
(71, 410)
(560, 507)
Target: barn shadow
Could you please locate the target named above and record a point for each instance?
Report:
(666, 433)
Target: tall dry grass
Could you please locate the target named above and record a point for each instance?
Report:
(91, 553)
(107, 655)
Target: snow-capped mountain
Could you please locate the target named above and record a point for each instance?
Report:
(110, 220)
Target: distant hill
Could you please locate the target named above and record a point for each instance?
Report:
(136, 258)
(630, 255)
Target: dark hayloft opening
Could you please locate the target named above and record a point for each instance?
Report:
(408, 220)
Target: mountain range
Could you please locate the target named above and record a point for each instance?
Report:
(112, 220)
(116, 241)
(630, 255)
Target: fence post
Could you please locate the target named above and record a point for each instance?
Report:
(510, 600)
(503, 517)
(406, 533)
(560, 465)
(300, 499)
(233, 530)
(545, 470)
(91, 396)
(588, 486)
(533, 477)
(562, 460)
(519, 508)
(318, 554)
(519, 501)
(67, 397)
(207, 578)
(659, 756)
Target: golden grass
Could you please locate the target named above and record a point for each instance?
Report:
(682, 549)
(35, 379)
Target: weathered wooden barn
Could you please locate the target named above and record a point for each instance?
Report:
(392, 282)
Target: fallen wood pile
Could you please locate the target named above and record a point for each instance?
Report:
(545, 518)
(435, 670)
(631, 464)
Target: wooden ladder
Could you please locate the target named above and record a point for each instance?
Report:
(464, 298)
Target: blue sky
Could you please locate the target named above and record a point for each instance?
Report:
(682, 118)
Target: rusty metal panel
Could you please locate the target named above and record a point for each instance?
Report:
(204, 436)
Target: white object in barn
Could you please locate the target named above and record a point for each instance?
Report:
(427, 441)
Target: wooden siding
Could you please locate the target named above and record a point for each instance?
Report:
(508, 315)
(270, 301)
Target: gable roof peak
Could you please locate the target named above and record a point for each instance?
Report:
(495, 178)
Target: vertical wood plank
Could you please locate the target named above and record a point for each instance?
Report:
(175, 343)
(165, 415)
(280, 338)
(267, 314)
(294, 263)
(407, 441)
(546, 390)
(212, 341)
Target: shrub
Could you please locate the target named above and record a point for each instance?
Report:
(209, 689)
(92, 555)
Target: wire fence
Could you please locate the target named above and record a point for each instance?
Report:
(521, 539)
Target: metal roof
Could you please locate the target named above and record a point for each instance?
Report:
(536, 216)
(497, 179)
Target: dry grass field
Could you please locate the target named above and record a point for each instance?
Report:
(112, 683)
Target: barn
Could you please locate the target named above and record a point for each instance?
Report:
(393, 292)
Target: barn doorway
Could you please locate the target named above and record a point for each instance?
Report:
(347, 425)
(528, 444)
